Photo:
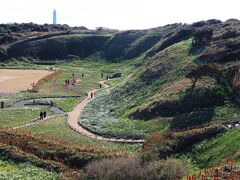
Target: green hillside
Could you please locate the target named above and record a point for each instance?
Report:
(209, 152)
(179, 90)
(105, 44)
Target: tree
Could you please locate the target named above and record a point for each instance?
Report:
(197, 72)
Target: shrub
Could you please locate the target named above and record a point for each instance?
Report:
(117, 168)
(133, 168)
(160, 144)
(203, 36)
(166, 170)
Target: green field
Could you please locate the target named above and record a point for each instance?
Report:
(10, 170)
(20, 116)
(58, 128)
(66, 104)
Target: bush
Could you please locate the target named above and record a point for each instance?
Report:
(203, 36)
(120, 168)
(134, 168)
(166, 170)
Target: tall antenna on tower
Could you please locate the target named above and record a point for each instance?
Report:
(54, 17)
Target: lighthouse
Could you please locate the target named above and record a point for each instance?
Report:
(54, 17)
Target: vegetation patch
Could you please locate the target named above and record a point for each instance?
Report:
(20, 116)
(27, 171)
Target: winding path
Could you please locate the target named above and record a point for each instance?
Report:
(74, 115)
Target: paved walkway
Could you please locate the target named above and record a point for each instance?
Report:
(29, 102)
(74, 115)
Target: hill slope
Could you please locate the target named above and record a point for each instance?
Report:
(184, 77)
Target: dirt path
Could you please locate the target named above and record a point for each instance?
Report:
(74, 115)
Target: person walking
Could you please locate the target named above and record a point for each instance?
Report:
(82, 75)
(41, 115)
(2, 104)
(100, 85)
(91, 94)
(51, 103)
(44, 114)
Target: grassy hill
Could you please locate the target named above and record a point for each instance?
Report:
(160, 94)
(106, 44)
(179, 77)
(209, 152)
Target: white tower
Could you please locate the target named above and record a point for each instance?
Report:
(54, 17)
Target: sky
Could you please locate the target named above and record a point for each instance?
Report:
(117, 14)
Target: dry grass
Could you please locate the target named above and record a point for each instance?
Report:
(13, 81)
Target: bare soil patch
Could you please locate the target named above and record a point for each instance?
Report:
(13, 81)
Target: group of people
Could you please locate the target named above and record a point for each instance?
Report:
(73, 75)
(67, 81)
(2, 104)
(43, 115)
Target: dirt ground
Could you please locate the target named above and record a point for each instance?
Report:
(13, 81)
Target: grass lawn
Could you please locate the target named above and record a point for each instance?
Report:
(13, 171)
(65, 104)
(15, 117)
(58, 128)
